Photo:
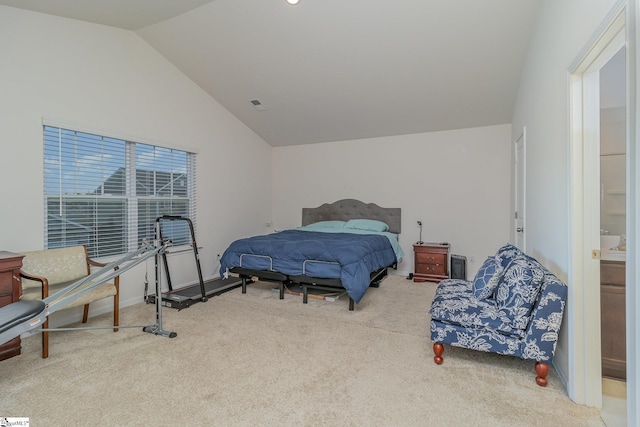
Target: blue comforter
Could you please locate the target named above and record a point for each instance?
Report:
(345, 256)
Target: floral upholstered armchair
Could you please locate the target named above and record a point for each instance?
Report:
(513, 306)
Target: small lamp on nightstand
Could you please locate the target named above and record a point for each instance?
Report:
(419, 242)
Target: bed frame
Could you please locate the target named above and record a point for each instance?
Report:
(342, 210)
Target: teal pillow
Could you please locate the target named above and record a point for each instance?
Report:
(367, 225)
(325, 225)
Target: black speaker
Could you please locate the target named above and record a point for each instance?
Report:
(458, 267)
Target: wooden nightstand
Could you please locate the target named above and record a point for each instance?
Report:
(431, 262)
(10, 289)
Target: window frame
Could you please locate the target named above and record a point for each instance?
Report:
(154, 203)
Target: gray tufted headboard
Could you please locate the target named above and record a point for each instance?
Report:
(347, 209)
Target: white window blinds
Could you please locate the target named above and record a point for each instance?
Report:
(106, 193)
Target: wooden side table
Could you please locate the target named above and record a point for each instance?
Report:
(10, 264)
(431, 262)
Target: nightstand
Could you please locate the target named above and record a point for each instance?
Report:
(10, 289)
(431, 262)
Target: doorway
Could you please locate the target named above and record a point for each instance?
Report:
(613, 191)
(586, 197)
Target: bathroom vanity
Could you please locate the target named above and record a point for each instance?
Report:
(612, 318)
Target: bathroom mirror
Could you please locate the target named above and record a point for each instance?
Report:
(613, 172)
(613, 147)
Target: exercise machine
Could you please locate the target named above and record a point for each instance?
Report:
(25, 315)
(188, 295)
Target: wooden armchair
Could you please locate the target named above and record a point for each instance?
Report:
(48, 271)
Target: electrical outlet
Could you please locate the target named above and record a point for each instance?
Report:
(472, 259)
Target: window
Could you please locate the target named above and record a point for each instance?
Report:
(106, 193)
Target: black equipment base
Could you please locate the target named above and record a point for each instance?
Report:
(189, 295)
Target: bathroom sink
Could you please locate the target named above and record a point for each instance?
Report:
(609, 241)
(608, 248)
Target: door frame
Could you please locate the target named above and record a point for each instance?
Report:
(585, 383)
(520, 190)
(632, 295)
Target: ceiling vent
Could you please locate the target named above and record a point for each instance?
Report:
(258, 105)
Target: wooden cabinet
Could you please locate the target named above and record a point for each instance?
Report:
(431, 262)
(612, 319)
(10, 264)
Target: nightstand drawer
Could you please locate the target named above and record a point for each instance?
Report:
(5, 300)
(429, 258)
(6, 283)
(438, 269)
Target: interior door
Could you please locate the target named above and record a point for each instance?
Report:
(519, 186)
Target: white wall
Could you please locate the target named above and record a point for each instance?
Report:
(456, 182)
(563, 29)
(109, 80)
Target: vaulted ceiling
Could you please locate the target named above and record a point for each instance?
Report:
(331, 70)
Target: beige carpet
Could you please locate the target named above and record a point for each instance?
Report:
(254, 360)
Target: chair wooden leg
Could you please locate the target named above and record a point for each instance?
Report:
(116, 312)
(85, 315)
(438, 349)
(45, 339)
(542, 369)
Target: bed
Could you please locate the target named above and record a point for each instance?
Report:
(347, 245)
